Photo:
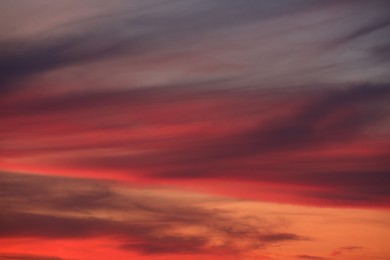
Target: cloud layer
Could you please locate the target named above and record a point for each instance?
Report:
(331, 142)
(139, 129)
(143, 220)
(128, 44)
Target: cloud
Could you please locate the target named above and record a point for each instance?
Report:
(346, 249)
(107, 36)
(147, 221)
(19, 62)
(364, 31)
(27, 257)
(174, 244)
(153, 96)
(331, 117)
(310, 257)
(280, 100)
(252, 135)
(145, 44)
(282, 237)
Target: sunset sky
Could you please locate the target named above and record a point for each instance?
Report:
(194, 129)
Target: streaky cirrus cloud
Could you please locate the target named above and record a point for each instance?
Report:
(149, 44)
(332, 142)
(142, 129)
(145, 220)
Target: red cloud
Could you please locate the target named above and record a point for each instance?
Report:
(328, 142)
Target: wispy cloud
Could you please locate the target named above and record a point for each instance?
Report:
(310, 257)
(129, 39)
(148, 221)
(27, 257)
(346, 249)
(277, 101)
(330, 140)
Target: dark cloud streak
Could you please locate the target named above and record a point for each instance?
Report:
(27, 257)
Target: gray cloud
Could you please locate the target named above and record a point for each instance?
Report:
(82, 41)
(147, 34)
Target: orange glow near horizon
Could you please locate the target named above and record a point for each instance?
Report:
(317, 228)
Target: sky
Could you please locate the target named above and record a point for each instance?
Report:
(194, 129)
